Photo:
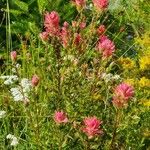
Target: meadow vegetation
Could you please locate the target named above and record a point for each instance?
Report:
(74, 74)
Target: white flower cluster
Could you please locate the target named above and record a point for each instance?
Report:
(109, 77)
(21, 92)
(14, 140)
(17, 66)
(9, 79)
(2, 114)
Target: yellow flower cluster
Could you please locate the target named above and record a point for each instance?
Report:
(144, 82)
(127, 63)
(130, 81)
(145, 62)
(145, 102)
(144, 41)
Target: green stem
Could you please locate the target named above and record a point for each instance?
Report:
(115, 131)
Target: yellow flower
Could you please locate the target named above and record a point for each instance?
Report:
(146, 132)
(144, 41)
(130, 81)
(145, 62)
(144, 82)
(127, 63)
(146, 103)
(97, 96)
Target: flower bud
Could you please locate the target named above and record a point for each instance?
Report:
(13, 56)
(35, 80)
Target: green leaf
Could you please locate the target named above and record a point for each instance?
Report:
(41, 5)
(22, 5)
(14, 12)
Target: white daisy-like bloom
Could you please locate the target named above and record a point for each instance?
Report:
(109, 77)
(14, 140)
(9, 79)
(21, 92)
(2, 113)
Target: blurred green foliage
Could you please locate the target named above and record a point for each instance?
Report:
(25, 17)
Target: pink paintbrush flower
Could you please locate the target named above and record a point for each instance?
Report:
(35, 80)
(92, 126)
(101, 29)
(60, 117)
(51, 23)
(13, 56)
(105, 46)
(100, 4)
(77, 38)
(64, 34)
(82, 25)
(122, 93)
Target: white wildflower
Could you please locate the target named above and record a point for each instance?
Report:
(109, 77)
(21, 92)
(9, 136)
(116, 77)
(26, 85)
(2, 114)
(9, 79)
(69, 57)
(17, 66)
(17, 94)
(14, 140)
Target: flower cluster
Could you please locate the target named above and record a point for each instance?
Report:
(60, 117)
(14, 140)
(105, 46)
(21, 92)
(144, 82)
(100, 4)
(127, 63)
(91, 124)
(122, 93)
(9, 79)
(144, 62)
(110, 77)
(51, 24)
(92, 127)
